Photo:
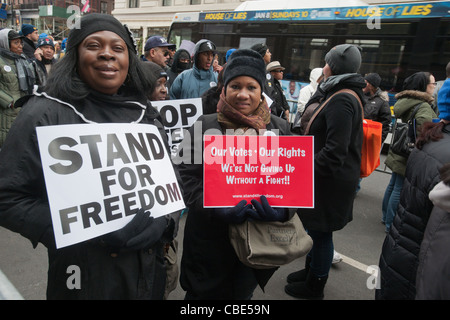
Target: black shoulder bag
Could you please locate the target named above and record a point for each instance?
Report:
(404, 135)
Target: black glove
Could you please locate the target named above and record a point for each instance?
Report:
(265, 212)
(237, 214)
(140, 233)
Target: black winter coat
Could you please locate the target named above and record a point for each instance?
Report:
(208, 258)
(24, 206)
(377, 109)
(433, 273)
(338, 136)
(400, 254)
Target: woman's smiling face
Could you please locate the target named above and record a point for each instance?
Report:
(244, 94)
(103, 61)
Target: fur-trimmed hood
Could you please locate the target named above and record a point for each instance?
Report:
(408, 99)
(414, 94)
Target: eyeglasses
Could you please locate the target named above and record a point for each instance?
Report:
(277, 71)
(165, 53)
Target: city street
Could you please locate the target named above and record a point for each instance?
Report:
(359, 243)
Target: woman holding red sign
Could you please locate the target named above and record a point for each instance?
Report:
(210, 268)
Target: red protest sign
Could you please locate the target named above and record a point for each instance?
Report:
(245, 167)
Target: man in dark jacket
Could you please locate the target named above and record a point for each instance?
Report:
(31, 36)
(44, 59)
(279, 107)
(377, 105)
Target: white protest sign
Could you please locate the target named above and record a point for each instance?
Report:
(177, 116)
(98, 175)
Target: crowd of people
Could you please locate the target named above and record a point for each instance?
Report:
(101, 78)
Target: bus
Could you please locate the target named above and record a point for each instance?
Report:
(396, 39)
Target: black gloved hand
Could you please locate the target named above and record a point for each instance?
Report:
(140, 233)
(265, 212)
(236, 214)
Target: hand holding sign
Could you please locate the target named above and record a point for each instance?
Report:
(264, 212)
(237, 214)
(140, 233)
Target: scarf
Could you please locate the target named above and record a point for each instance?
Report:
(25, 73)
(230, 118)
(334, 80)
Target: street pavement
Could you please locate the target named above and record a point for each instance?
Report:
(359, 243)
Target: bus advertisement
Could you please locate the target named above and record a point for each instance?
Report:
(396, 39)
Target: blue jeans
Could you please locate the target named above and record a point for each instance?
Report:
(392, 198)
(321, 253)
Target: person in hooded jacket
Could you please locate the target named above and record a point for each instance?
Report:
(109, 88)
(338, 136)
(17, 78)
(417, 91)
(307, 92)
(210, 268)
(192, 83)
(399, 259)
(181, 62)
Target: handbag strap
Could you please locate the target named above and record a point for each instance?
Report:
(316, 112)
(413, 115)
(416, 108)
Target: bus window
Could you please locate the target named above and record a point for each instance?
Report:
(381, 56)
(185, 31)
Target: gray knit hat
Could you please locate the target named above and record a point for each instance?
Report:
(344, 58)
(245, 62)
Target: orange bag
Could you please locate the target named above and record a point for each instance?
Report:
(371, 148)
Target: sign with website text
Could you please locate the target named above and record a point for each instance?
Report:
(245, 167)
(98, 176)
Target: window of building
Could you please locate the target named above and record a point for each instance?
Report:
(167, 3)
(103, 7)
(133, 3)
(196, 2)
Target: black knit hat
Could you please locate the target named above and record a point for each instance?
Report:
(245, 62)
(373, 78)
(155, 69)
(344, 58)
(261, 48)
(95, 22)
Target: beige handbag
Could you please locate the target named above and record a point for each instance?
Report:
(264, 245)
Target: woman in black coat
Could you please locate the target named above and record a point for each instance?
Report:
(400, 254)
(338, 135)
(210, 268)
(433, 272)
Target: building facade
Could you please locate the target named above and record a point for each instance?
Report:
(49, 16)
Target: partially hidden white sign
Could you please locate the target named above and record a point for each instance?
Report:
(98, 175)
